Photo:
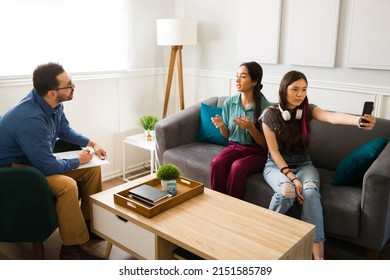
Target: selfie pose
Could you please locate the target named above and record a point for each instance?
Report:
(289, 170)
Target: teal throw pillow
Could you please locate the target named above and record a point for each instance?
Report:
(351, 169)
(207, 130)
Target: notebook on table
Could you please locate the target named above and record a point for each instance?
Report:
(148, 193)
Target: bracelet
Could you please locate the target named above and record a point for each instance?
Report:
(284, 168)
(294, 179)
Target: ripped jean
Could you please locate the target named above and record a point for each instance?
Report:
(284, 195)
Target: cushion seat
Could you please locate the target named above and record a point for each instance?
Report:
(194, 159)
(346, 222)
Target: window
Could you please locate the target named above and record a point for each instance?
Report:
(82, 35)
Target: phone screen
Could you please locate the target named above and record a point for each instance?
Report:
(367, 109)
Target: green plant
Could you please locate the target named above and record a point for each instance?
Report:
(168, 172)
(148, 122)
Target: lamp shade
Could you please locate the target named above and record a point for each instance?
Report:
(176, 32)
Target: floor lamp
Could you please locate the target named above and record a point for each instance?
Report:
(175, 33)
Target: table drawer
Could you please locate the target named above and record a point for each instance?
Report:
(124, 232)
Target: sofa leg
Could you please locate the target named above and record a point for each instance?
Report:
(38, 250)
(372, 254)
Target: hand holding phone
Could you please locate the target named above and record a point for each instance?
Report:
(367, 109)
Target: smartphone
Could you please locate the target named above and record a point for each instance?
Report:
(367, 109)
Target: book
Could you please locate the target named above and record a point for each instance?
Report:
(95, 161)
(148, 193)
(140, 201)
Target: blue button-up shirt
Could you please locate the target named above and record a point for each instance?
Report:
(28, 133)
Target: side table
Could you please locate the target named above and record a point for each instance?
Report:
(138, 140)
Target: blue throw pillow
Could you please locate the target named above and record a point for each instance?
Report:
(207, 130)
(351, 169)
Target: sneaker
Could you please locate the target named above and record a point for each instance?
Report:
(75, 252)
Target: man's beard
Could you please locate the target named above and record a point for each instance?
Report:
(62, 98)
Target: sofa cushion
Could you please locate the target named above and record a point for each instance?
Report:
(193, 160)
(207, 131)
(351, 169)
(257, 191)
(348, 198)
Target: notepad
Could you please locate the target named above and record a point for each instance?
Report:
(148, 193)
(95, 161)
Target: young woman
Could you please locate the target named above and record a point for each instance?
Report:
(289, 170)
(246, 152)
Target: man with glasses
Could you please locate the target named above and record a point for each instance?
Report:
(28, 133)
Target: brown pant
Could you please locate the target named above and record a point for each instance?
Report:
(70, 215)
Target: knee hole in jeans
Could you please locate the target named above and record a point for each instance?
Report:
(309, 185)
(288, 190)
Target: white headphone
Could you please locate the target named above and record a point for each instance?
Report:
(287, 116)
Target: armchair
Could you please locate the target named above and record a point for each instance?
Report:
(27, 207)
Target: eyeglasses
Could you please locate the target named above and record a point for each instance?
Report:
(69, 86)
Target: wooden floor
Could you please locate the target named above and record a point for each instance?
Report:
(334, 249)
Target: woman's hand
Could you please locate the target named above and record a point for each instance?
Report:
(367, 125)
(298, 191)
(217, 121)
(243, 122)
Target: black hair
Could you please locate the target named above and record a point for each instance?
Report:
(256, 74)
(45, 77)
(290, 138)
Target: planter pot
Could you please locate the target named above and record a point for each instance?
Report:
(152, 133)
(170, 186)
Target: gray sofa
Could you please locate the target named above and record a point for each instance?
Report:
(357, 214)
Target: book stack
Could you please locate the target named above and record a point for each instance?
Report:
(148, 194)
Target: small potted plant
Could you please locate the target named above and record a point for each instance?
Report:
(168, 174)
(147, 123)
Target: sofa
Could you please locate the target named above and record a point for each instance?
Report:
(357, 213)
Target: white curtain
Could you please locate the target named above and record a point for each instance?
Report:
(82, 35)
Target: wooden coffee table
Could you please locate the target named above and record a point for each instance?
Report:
(211, 225)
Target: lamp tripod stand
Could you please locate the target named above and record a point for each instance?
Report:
(175, 51)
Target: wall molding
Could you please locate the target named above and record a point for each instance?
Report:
(313, 44)
(378, 93)
(275, 80)
(264, 38)
(367, 33)
(27, 80)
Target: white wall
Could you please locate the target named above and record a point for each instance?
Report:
(107, 107)
(218, 36)
(334, 88)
